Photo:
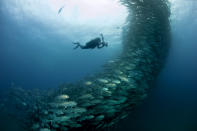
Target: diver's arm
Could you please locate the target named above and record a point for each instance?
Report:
(99, 47)
(102, 38)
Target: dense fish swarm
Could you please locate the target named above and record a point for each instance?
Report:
(103, 99)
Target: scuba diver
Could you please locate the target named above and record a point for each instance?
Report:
(97, 42)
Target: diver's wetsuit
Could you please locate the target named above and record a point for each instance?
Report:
(97, 42)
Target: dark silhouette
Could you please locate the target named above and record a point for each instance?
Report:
(60, 10)
(97, 42)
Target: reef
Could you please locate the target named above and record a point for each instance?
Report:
(100, 101)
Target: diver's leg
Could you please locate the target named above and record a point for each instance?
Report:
(83, 47)
(77, 45)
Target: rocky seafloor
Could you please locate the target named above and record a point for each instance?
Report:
(101, 100)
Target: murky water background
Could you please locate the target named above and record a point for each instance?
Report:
(32, 55)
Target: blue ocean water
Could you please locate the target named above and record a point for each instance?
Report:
(32, 56)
